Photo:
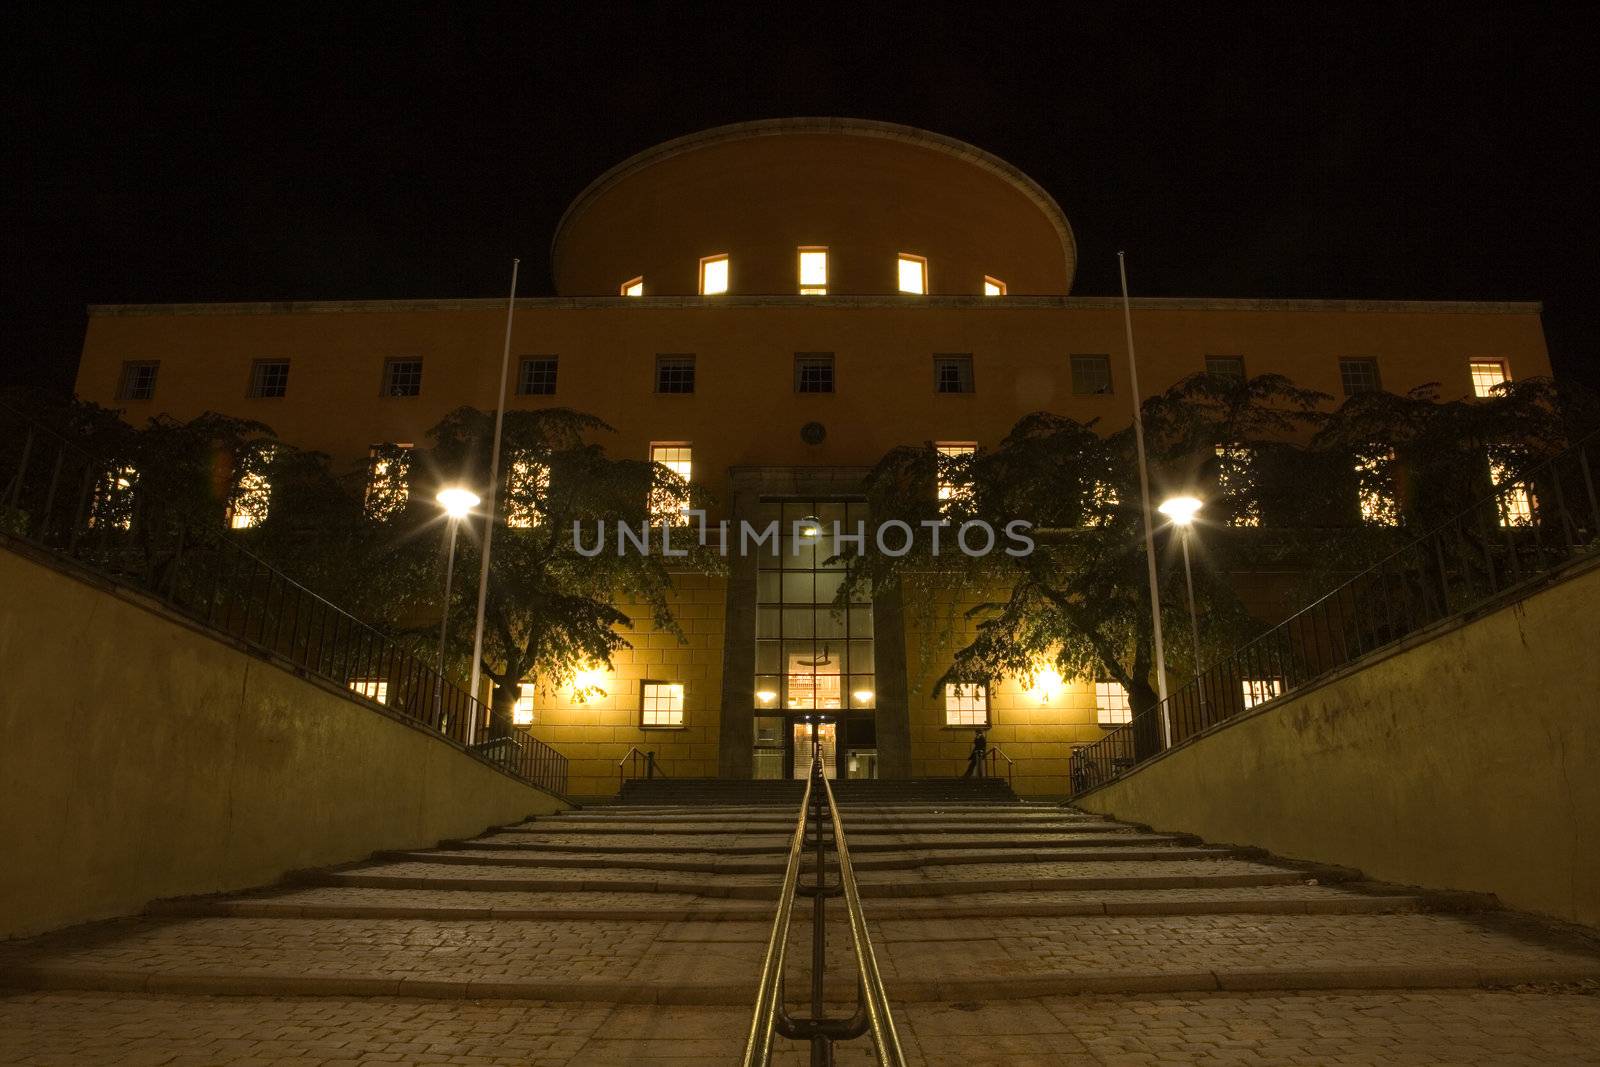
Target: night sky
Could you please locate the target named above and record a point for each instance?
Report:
(411, 151)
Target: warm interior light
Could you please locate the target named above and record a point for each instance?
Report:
(993, 287)
(457, 502)
(810, 530)
(813, 271)
(913, 274)
(713, 275)
(633, 287)
(766, 696)
(862, 695)
(1180, 509)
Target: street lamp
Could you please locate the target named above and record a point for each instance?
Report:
(1182, 510)
(458, 504)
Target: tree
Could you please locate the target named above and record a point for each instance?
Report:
(551, 609)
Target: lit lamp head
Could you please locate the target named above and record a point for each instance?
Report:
(1180, 509)
(457, 502)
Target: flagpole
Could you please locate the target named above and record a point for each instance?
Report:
(1144, 493)
(493, 498)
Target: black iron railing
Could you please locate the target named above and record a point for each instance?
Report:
(872, 1015)
(637, 764)
(1535, 522)
(58, 497)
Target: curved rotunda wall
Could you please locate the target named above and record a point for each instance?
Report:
(866, 192)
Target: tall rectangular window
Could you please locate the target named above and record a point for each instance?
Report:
(1101, 507)
(660, 703)
(966, 704)
(527, 485)
(1380, 505)
(138, 380)
(522, 710)
(813, 372)
(912, 273)
(714, 271)
(388, 481)
(633, 286)
(269, 378)
(955, 475)
(952, 373)
(1236, 478)
(1227, 368)
(1513, 498)
(677, 457)
(252, 494)
(402, 377)
(993, 286)
(1486, 374)
(1091, 375)
(1359, 375)
(813, 272)
(1111, 704)
(536, 376)
(111, 506)
(675, 374)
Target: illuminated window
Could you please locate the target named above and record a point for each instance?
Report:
(1111, 704)
(966, 704)
(1103, 504)
(1260, 690)
(1236, 478)
(402, 377)
(527, 485)
(112, 504)
(813, 272)
(1359, 376)
(713, 275)
(269, 378)
(1228, 368)
(252, 495)
(1513, 499)
(635, 286)
(660, 703)
(675, 374)
(536, 376)
(952, 374)
(1486, 374)
(372, 688)
(1091, 375)
(813, 372)
(955, 475)
(522, 710)
(913, 274)
(138, 380)
(667, 505)
(1375, 489)
(993, 286)
(388, 481)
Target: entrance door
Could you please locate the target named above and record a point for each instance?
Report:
(825, 733)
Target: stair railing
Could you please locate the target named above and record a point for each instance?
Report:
(992, 760)
(872, 1013)
(631, 762)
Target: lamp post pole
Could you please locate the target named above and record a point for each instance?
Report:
(1194, 619)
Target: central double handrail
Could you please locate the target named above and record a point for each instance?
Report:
(872, 1013)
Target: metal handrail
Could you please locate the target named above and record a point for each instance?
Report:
(872, 1012)
(1011, 764)
(63, 500)
(1535, 522)
(631, 758)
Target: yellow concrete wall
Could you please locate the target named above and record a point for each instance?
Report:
(597, 732)
(1036, 727)
(140, 758)
(1470, 761)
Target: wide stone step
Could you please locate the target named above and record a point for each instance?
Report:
(738, 845)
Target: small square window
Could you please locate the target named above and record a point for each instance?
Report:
(813, 372)
(714, 274)
(1486, 374)
(138, 381)
(952, 374)
(966, 704)
(1111, 704)
(660, 703)
(993, 287)
(269, 378)
(675, 374)
(402, 377)
(633, 286)
(1359, 376)
(1227, 368)
(813, 272)
(1091, 375)
(536, 376)
(912, 273)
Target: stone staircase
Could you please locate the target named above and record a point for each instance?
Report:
(1006, 932)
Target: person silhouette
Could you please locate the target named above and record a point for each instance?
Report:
(980, 751)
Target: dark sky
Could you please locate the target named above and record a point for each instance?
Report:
(411, 150)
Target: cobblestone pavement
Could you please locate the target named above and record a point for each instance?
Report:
(635, 936)
(1470, 1027)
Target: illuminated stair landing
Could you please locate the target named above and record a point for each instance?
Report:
(1007, 932)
